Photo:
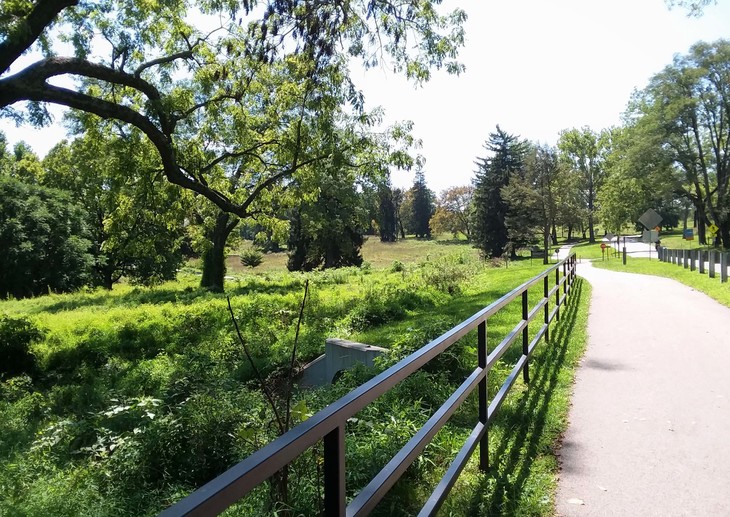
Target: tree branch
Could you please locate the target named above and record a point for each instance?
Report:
(54, 66)
(24, 34)
(185, 54)
(274, 178)
(238, 154)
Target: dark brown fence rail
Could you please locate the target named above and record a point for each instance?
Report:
(328, 425)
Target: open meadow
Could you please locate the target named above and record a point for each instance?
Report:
(124, 401)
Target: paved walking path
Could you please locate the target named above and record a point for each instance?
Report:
(649, 430)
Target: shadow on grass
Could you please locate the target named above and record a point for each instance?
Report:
(160, 295)
(455, 242)
(524, 423)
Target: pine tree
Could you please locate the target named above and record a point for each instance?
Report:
(493, 174)
(387, 216)
(422, 208)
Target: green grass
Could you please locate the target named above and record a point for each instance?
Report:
(141, 395)
(378, 254)
(701, 282)
(587, 251)
(524, 438)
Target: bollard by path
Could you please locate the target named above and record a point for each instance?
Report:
(711, 260)
(692, 258)
(723, 267)
(685, 258)
(702, 261)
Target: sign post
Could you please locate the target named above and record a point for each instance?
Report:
(650, 219)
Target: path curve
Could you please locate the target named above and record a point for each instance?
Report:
(649, 430)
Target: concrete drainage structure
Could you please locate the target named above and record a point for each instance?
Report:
(339, 355)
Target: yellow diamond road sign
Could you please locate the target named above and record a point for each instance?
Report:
(713, 229)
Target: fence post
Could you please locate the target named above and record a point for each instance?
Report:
(483, 396)
(334, 472)
(692, 257)
(685, 258)
(545, 290)
(557, 293)
(701, 261)
(723, 267)
(526, 337)
(711, 260)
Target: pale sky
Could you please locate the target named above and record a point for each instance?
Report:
(534, 67)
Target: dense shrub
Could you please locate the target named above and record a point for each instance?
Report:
(43, 236)
(16, 336)
(384, 305)
(251, 257)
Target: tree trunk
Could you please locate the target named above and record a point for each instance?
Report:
(214, 259)
(546, 243)
(724, 235)
(701, 231)
(591, 230)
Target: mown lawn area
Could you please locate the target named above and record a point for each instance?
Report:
(702, 282)
(122, 402)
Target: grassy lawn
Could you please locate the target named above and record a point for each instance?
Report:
(139, 395)
(376, 253)
(710, 286)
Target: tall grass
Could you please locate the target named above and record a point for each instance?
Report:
(138, 396)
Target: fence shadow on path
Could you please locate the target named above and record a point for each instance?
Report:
(500, 489)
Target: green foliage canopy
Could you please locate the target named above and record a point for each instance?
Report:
(44, 240)
(136, 219)
(143, 64)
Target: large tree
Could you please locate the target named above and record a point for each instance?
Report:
(531, 197)
(506, 155)
(145, 65)
(584, 151)
(422, 207)
(685, 111)
(639, 175)
(327, 232)
(387, 213)
(135, 218)
(453, 211)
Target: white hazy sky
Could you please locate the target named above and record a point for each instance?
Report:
(534, 67)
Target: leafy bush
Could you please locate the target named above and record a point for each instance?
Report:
(397, 267)
(16, 336)
(43, 236)
(251, 257)
(384, 305)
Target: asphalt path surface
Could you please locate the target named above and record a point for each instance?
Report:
(649, 426)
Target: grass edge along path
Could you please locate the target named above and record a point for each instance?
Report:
(525, 436)
(712, 287)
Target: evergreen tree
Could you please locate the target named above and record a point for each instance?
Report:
(399, 203)
(507, 156)
(422, 207)
(387, 216)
